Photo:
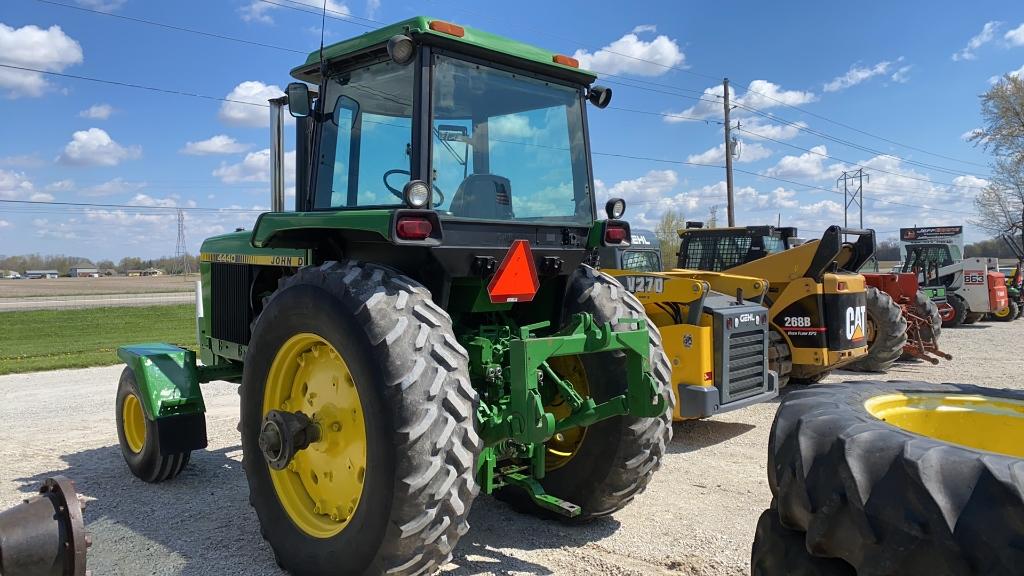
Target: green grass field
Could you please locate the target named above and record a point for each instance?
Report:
(50, 339)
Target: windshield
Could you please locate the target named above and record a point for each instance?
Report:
(507, 146)
(641, 261)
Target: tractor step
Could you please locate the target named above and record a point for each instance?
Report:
(542, 499)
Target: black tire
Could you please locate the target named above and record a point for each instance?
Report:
(619, 455)
(780, 357)
(807, 379)
(973, 317)
(1012, 315)
(888, 501)
(419, 411)
(959, 311)
(890, 330)
(779, 551)
(147, 464)
(926, 308)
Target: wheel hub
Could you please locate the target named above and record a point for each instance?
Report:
(283, 434)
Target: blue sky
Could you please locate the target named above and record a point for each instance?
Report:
(906, 74)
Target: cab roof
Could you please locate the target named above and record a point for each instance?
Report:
(418, 28)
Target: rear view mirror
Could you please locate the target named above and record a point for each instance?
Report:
(298, 99)
(345, 104)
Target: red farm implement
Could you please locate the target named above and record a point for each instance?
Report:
(923, 319)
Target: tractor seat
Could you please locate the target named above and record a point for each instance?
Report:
(484, 196)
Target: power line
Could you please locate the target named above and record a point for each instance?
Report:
(133, 206)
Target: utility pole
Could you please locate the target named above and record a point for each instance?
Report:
(181, 251)
(730, 209)
(853, 195)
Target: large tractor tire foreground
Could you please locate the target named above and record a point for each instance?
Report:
(903, 477)
(374, 361)
(45, 535)
(779, 551)
(887, 333)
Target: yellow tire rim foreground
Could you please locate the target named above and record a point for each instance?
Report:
(981, 422)
(321, 487)
(1003, 312)
(564, 445)
(134, 422)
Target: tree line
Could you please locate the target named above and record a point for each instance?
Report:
(62, 263)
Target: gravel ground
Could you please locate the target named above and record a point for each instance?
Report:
(697, 517)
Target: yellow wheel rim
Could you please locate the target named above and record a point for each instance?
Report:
(321, 488)
(981, 422)
(564, 445)
(1003, 312)
(134, 422)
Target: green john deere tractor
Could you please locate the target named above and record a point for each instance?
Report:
(424, 326)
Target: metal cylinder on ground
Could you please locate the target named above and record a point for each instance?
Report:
(45, 535)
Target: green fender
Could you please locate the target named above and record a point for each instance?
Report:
(168, 379)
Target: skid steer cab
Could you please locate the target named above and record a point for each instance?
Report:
(966, 289)
(716, 342)
(816, 300)
(424, 325)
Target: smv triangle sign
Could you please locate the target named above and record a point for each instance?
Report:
(516, 278)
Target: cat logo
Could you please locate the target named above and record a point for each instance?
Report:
(855, 322)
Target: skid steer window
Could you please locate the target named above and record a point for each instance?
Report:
(365, 150)
(507, 146)
(641, 261)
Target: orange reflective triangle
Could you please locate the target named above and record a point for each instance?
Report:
(516, 278)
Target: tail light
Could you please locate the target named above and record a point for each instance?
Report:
(615, 233)
(413, 228)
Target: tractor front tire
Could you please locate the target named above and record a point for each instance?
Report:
(1011, 312)
(779, 551)
(928, 310)
(139, 438)
(780, 357)
(889, 333)
(902, 477)
(959, 312)
(618, 456)
(375, 362)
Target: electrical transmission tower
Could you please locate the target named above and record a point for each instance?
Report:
(853, 193)
(181, 251)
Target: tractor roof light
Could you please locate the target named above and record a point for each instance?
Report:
(615, 208)
(600, 96)
(416, 194)
(565, 60)
(401, 49)
(448, 28)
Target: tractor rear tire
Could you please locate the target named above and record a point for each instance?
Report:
(411, 375)
(780, 357)
(617, 456)
(890, 331)
(140, 443)
(1012, 312)
(959, 311)
(777, 551)
(927, 309)
(973, 317)
(891, 501)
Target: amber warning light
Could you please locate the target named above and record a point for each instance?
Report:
(516, 278)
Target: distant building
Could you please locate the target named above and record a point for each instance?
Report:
(152, 272)
(135, 272)
(81, 272)
(9, 274)
(41, 274)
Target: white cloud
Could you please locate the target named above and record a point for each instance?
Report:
(970, 134)
(257, 11)
(23, 160)
(969, 182)
(779, 198)
(761, 94)
(980, 39)
(33, 47)
(97, 112)
(104, 5)
(901, 75)
(755, 127)
(66, 185)
(219, 144)
(371, 8)
(41, 197)
(632, 55)
(1015, 37)
(649, 187)
(169, 202)
(14, 185)
(94, 147)
(824, 208)
(857, 74)
(4, 223)
(253, 91)
(748, 153)
(255, 168)
(807, 165)
(111, 187)
(641, 28)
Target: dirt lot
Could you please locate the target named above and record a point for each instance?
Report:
(106, 285)
(697, 517)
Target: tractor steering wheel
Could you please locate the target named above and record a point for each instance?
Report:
(398, 193)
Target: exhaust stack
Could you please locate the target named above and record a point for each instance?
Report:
(277, 153)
